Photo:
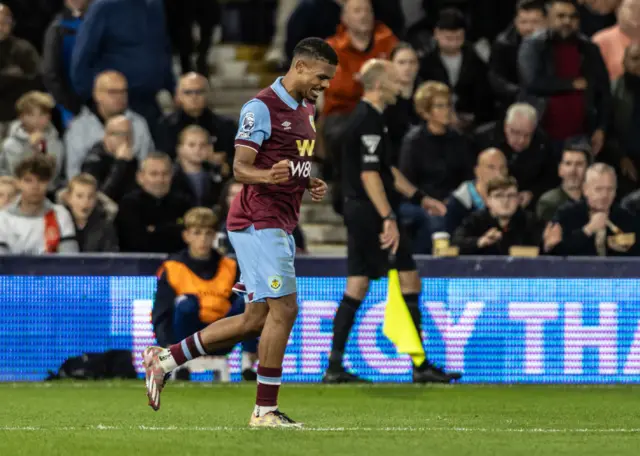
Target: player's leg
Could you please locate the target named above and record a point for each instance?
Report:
(276, 283)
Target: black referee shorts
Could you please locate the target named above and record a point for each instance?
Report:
(364, 255)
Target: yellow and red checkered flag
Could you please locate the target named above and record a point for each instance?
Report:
(398, 325)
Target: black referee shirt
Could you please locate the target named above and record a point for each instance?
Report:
(367, 147)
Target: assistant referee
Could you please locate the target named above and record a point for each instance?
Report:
(373, 188)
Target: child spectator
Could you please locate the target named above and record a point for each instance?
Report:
(92, 213)
(195, 289)
(8, 190)
(32, 133)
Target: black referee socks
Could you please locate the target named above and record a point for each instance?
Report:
(342, 324)
(413, 303)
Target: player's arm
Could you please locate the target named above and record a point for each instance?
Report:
(255, 128)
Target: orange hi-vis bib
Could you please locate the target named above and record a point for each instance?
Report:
(213, 294)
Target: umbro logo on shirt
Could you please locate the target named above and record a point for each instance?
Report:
(370, 142)
(286, 125)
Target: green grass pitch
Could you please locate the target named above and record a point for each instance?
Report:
(112, 418)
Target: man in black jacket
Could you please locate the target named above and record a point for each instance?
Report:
(564, 75)
(529, 157)
(59, 42)
(503, 67)
(150, 219)
(191, 99)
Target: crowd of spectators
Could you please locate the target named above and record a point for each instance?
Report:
(518, 115)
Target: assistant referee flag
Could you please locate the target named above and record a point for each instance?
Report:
(398, 325)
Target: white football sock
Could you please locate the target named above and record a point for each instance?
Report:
(167, 362)
(261, 410)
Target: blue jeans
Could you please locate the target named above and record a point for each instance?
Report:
(186, 321)
(421, 225)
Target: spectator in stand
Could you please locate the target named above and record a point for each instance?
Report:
(92, 214)
(565, 74)
(575, 159)
(593, 17)
(33, 225)
(18, 67)
(471, 195)
(32, 18)
(623, 147)
(454, 62)
(111, 161)
(59, 42)
(128, 36)
(321, 18)
(192, 174)
(8, 190)
(503, 67)
(502, 225)
(150, 218)
(612, 43)
(32, 134)
(276, 57)
(435, 158)
(586, 226)
(529, 157)
(191, 100)
(181, 17)
(401, 116)
(109, 100)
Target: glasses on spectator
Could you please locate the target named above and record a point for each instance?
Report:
(117, 91)
(505, 196)
(573, 16)
(119, 133)
(194, 91)
(519, 133)
(441, 105)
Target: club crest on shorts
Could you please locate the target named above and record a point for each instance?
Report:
(275, 282)
(312, 122)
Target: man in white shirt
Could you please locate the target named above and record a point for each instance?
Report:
(33, 225)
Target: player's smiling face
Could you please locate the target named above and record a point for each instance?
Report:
(315, 76)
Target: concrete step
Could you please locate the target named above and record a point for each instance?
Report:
(320, 213)
(333, 250)
(316, 233)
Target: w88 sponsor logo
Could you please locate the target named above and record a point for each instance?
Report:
(300, 169)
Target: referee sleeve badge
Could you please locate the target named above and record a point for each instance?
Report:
(370, 142)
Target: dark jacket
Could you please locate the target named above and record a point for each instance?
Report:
(222, 129)
(436, 164)
(220, 273)
(148, 224)
(624, 136)
(211, 188)
(473, 90)
(574, 216)
(503, 66)
(99, 234)
(537, 75)
(16, 52)
(399, 118)
(59, 42)
(129, 36)
(522, 230)
(534, 168)
(115, 177)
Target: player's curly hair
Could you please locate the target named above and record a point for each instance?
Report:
(316, 48)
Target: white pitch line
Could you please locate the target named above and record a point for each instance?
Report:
(101, 427)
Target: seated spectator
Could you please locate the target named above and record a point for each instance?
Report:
(613, 44)
(529, 158)
(86, 129)
(59, 41)
(195, 289)
(191, 100)
(150, 218)
(502, 225)
(31, 18)
(402, 115)
(33, 133)
(33, 225)
(623, 146)
(434, 158)
(8, 190)
(471, 195)
(585, 227)
(503, 68)
(573, 165)
(92, 214)
(129, 39)
(111, 161)
(192, 175)
(455, 63)
(18, 66)
(564, 76)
